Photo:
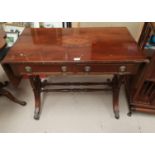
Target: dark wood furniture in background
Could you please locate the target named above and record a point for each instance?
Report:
(67, 24)
(144, 95)
(74, 51)
(148, 29)
(3, 91)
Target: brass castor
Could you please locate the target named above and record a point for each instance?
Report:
(129, 114)
(36, 114)
(117, 115)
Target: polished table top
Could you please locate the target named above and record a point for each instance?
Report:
(40, 45)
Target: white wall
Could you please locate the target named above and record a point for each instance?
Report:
(134, 27)
(52, 24)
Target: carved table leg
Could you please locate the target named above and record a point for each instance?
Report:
(36, 85)
(117, 80)
(6, 93)
(128, 91)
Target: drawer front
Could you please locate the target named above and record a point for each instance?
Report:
(41, 69)
(108, 68)
(75, 68)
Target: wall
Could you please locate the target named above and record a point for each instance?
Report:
(51, 24)
(134, 27)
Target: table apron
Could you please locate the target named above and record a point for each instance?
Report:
(57, 69)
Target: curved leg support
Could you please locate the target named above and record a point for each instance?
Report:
(117, 80)
(36, 85)
(6, 93)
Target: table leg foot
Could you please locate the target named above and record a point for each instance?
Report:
(36, 85)
(129, 113)
(117, 115)
(7, 94)
(22, 103)
(116, 83)
(37, 114)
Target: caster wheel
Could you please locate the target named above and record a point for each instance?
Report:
(116, 115)
(129, 114)
(36, 116)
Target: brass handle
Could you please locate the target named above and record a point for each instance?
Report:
(122, 68)
(28, 69)
(87, 68)
(64, 68)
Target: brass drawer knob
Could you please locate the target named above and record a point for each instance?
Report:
(28, 69)
(87, 68)
(122, 68)
(64, 68)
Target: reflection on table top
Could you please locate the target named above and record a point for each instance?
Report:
(40, 45)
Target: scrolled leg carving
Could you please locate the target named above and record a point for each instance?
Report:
(6, 93)
(36, 85)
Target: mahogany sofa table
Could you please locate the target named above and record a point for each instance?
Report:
(73, 51)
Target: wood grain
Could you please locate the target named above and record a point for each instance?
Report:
(64, 45)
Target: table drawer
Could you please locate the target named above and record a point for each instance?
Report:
(41, 68)
(74, 68)
(107, 68)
